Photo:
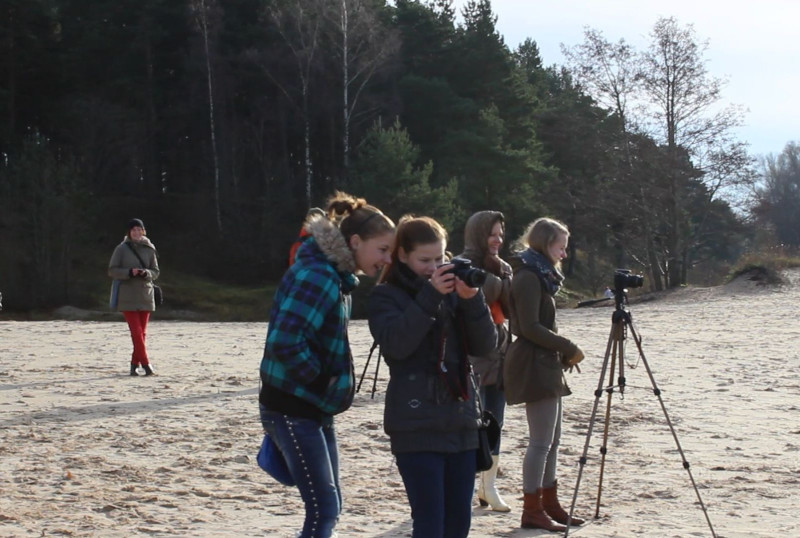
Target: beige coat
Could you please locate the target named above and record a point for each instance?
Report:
(135, 293)
(533, 369)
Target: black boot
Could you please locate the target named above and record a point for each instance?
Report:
(148, 370)
(133, 369)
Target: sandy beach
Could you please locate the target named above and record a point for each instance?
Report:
(87, 450)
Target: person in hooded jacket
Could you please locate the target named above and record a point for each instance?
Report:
(426, 321)
(304, 233)
(535, 364)
(483, 238)
(134, 264)
(307, 369)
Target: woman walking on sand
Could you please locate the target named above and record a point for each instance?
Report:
(307, 369)
(426, 320)
(534, 367)
(483, 238)
(134, 267)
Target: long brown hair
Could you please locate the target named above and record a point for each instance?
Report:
(411, 232)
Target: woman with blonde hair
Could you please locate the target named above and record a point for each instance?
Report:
(535, 364)
(307, 370)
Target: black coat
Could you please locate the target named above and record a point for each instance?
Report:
(426, 409)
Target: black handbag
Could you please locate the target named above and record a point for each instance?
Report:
(488, 434)
(158, 295)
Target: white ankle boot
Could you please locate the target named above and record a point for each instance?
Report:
(487, 491)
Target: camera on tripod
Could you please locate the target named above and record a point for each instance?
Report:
(471, 276)
(624, 279)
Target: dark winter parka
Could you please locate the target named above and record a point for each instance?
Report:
(489, 367)
(533, 369)
(135, 293)
(424, 336)
(307, 368)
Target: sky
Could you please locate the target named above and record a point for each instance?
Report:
(754, 45)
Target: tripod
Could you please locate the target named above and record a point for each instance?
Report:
(621, 323)
(377, 367)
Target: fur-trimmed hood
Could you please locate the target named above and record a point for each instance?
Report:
(332, 243)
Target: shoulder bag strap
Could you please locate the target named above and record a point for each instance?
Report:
(136, 254)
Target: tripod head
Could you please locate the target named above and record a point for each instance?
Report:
(624, 279)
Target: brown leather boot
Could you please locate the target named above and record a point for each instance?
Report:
(553, 508)
(534, 516)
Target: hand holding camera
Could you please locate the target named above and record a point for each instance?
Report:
(458, 275)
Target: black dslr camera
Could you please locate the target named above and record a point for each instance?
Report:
(471, 276)
(624, 279)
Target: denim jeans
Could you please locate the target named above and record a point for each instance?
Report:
(439, 488)
(494, 401)
(312, 456)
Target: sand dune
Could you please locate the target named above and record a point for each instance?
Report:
(87, 450)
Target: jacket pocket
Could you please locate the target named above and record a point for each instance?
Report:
(339, 395)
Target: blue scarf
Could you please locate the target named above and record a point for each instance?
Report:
(544, 269)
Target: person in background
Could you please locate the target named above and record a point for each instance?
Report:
(134, 264)
(535, 364)
(307, 372)
(304, 234)
(483, 237)
(426, 321)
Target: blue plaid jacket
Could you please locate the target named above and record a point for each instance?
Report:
(307, 353)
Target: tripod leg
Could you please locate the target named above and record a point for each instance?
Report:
(657, 392)
(364, 372)
(375, 379)
(597, 394)
(616, 351)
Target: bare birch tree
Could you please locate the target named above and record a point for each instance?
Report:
(201, 12)
(687, 117)
(609, 73)
(364, 45)
(300, 23)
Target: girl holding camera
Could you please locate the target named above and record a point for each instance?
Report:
(534, 367)
(134, 265)
(426, 321)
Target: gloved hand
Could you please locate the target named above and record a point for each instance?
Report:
(573, 360)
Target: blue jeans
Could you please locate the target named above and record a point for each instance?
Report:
(313, 459)
(439, 488)
(494, 401)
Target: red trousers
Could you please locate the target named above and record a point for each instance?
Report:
(137, 323)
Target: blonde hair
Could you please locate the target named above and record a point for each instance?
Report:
(542, 233)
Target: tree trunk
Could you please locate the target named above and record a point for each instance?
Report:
(12, 75)
(212, 126)
(151, 172)
(345, 85)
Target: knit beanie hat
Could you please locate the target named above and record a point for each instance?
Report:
(135, 222)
